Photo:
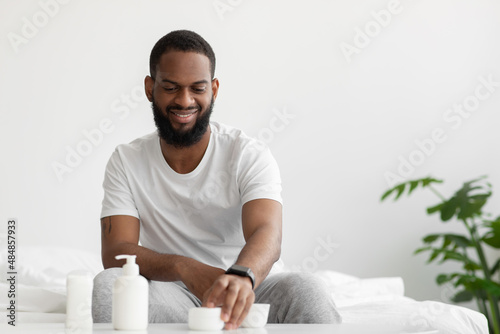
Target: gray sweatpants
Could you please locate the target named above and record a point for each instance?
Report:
(294, 298)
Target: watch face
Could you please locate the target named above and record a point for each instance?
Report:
(236, 267)
(242, 271)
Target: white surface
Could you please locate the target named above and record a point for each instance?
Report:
(268, 329)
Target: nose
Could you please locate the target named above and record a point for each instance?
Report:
(184, 98)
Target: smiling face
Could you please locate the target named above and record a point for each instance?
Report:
(182, 97)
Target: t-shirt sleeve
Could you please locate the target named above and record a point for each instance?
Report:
(118, 199)
(259, 175)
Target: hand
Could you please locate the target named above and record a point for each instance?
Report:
(234, 294)
(199, 277)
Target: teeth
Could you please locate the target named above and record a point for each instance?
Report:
(184, 116)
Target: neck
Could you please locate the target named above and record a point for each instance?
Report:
(184, 160)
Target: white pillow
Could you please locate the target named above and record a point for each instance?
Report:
(35, 299)
(47, 267)
(41, 276)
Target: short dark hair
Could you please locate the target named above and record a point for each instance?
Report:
(181, 40)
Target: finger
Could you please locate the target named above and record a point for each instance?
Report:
(205, 302)
(231, 297)
(214, 301)
(215, 295)
(245, 309)
(238, 307)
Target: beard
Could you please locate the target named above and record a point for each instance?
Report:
(181, 139)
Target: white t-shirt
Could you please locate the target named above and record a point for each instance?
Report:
(198, 214)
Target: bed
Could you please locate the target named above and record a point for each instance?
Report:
(41, 295)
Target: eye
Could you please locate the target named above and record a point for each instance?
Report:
(200, 89)
(169, 89)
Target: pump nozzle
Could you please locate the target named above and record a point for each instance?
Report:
(130, 268)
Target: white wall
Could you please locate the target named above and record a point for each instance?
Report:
(350, 117)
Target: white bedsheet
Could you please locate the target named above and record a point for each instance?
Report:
(382, 301)
(41, 295)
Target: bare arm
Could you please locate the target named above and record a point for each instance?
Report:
(261, 221)
(120, 235)
(262, 228)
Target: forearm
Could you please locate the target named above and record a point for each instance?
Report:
(261, 251)
(152, 265)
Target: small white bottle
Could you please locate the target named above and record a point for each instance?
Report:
(79, 300)
(130, 297)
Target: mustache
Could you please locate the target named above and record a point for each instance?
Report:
(176, 107)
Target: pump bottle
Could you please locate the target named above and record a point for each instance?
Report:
(130, 297)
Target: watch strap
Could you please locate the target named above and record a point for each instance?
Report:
(243, 272)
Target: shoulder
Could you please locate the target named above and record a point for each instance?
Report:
(139, 145)
(246, 152)
(137, 151)
(227, 135)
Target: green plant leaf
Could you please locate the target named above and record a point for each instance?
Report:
(400, 189)
(482, 284)
(428, 180)
(448, 209)
(413, 186)
(492, 236)
(462, 296)
(434, 208)
(428, 239)
(446, 242)
(495, 267)
(472, 266)
(443, 278)
(450, 255)
(435, 253)
(447, 255)
(469, 201)
(473, 206)
(459, 240)
(477, 284)
(387, 193)
(422, 249)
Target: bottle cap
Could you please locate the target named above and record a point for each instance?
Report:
(130, 268)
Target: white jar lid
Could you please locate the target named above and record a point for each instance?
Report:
(205, 319)
(257, 317)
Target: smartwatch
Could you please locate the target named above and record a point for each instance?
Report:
(238, 270)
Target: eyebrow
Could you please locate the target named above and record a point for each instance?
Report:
(194, 83)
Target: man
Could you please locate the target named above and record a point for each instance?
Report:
(203, 200)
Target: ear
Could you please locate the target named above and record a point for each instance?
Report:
(149, 85)
(215, 87)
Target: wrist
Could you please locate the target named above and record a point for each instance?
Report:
(242, 271)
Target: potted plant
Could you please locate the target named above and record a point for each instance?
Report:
(476, 279)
